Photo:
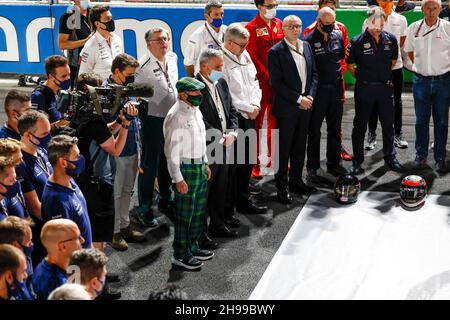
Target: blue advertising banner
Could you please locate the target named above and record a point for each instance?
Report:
(29, 33)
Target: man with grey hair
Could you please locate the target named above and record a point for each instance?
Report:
(158, 67)
(240, 74)
(220, 118)
(373, 86)
(69, 291)
(210, 35)
(328, 49)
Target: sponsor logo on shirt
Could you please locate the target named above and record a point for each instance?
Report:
(262, 32)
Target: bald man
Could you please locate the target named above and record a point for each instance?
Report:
(61, 237)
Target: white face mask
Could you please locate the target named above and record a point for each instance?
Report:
(270, 14)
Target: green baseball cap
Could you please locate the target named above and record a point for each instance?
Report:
(189, 84)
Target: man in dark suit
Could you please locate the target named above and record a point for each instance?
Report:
(221, 122)
(293, 76)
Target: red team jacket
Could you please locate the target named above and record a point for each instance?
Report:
(262, 39)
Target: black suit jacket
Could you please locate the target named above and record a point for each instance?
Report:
(209, 111)
(285, 79)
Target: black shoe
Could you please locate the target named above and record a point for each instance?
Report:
(284, 197)
(112, 277)
(165, 207)
(109, 294)
(394, 165)
(254, 190)
(419, 164)
(441, 166)
(203, 255)
(311, 175)
(189, 263)
(232, 222)
(207, 243)
(301, 188)
(356, 169)
(222, 232)
(251, 208)
(336, 170)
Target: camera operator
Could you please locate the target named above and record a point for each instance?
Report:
(58, 78)
(123, 70)
(74, 32)
(16, 104)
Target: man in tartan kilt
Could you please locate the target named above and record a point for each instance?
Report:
(187, 163)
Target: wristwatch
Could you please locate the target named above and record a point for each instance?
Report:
(125, 126)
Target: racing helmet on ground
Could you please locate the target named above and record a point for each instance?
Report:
(347, 188)
(413, 190)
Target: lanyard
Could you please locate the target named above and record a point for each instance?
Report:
(42, 165)
(295, 50)
(215, 40)
(232, 59)
(429, 31)
(219, 112)
(166, 74)
(3, 208)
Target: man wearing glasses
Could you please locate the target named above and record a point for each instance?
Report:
(61, 237)
(265, 31)
(158, 67)
(208, 36)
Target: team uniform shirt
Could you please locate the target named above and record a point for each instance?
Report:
(445, 14)
(398, 26)
(185, 137)
(47, 277)
(338, 27)
(38, 170)
(14, 206)
(300, 62)
(68, 203)
(6, 132)
(262, 39)
(327, 55)
(43, 98)
(431, 47)
(97, 55)
(240, 75)
(163, 79)
(373, 60)
(205, 37)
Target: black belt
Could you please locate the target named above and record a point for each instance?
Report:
(376, 83)
(192, 161)
(439, 77)
(330, 86)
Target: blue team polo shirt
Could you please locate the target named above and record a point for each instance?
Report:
(61, 202)
(6, 132)
(45, 100)
(13, 207)
(46, 278)
(37, 171)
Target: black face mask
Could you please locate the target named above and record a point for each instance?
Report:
(128, 80)
(328, 28)
(110, 25)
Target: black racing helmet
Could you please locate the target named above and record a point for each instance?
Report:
(347, 188)
(413, 190)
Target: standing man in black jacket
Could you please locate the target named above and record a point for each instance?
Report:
(221, 122)
(293, 76)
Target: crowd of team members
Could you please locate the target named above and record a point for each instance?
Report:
(48, 227)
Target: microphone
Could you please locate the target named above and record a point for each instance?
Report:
(139, 89)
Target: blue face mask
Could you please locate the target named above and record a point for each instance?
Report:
(85, 4)
(12, 190)
(63, 85)
(217, 22)
(27, 250)
(79, 166)
(215, 75)
(103, 287)
(18, 290)
(43, 142)
(20, 169)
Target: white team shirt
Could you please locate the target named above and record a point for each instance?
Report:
(398, 26)
(205, 37)
(97, 56)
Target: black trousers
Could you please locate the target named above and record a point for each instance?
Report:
(367, 96)
(327, 105)
(217, 192)
(292, 133)
(240, 173)
(397, 79)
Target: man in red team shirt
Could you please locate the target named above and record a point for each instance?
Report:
(341, 27)
(265, 31)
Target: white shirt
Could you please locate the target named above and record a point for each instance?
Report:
(398, 26)
(432, 51)
(97, 56)
(242, 82)
(217, 102)
(185, 137)
(165, 93)
(300, 62)
(201, 40)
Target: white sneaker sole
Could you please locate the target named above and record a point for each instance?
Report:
(202, 258)
(178, 263)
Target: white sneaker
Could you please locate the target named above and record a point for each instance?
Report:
(371, 141)
(400, 142)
